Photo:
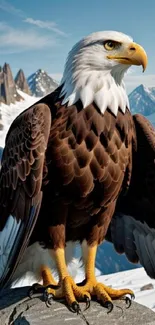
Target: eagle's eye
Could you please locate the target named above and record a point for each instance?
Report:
(111, 45)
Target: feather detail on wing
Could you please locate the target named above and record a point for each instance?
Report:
(132, 229)
(21, 177)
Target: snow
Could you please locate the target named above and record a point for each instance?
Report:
(10, 112)
(134, 280)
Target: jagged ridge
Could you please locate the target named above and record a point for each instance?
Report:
(21, 82)
(142, 100)
(8, 91)
(41, 83)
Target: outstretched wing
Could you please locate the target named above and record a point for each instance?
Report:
(21, 177)
(132, 229)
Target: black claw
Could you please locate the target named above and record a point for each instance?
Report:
(109, 305)
(48, 302)
(75, 308)
(128, 302)
(35, 288)
(48, 297)
(87, 300)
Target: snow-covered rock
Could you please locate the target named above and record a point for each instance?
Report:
(40, 83)
(142, 100)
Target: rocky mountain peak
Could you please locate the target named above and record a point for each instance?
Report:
(21, 82)
(8, 91)
(41, 83)
(142, 100)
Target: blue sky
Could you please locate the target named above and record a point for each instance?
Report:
(39, 33)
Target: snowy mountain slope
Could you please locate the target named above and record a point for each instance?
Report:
(142, 100)
(40, 83)
(10, 112)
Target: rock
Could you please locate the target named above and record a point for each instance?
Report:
(17, 309)
(8, 91)
(21, 82)
(148, 286)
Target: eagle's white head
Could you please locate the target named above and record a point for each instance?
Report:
(95, 68)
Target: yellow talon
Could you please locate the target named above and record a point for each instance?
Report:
(74, 293)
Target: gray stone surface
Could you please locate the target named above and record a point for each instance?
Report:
(17, 309)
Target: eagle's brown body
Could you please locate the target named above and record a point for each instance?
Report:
(88, 162)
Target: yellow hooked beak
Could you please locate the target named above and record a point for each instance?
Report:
(133, 54)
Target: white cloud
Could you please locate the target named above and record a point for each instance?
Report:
(8, 7)
(49, 25)
(17, 40)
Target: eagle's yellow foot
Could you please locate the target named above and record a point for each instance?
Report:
(74, 293)
(70, 292)
(106, 294)
(47, 279)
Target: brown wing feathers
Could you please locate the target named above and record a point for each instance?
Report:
(132, 227)
(21, 178)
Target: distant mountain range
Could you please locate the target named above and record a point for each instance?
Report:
(38, 84)
(142, 100)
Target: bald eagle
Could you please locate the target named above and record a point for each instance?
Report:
(67, 162)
